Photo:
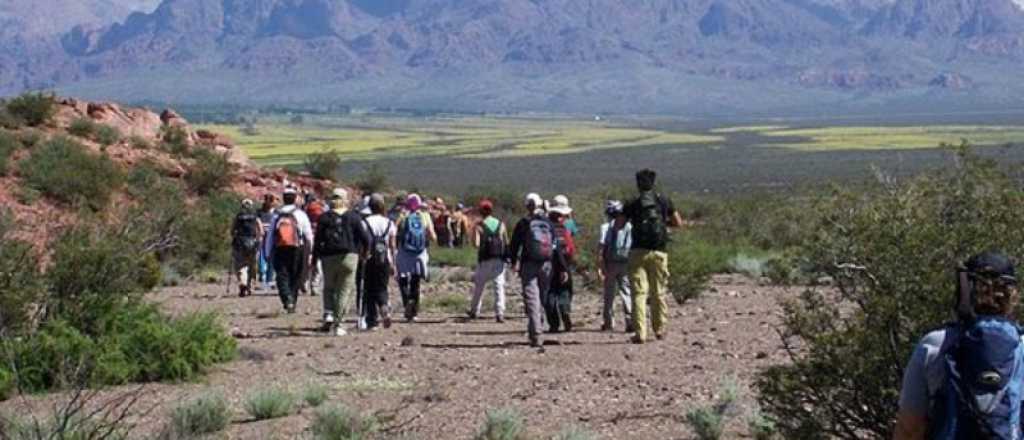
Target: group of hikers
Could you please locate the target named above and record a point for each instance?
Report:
(353, 247)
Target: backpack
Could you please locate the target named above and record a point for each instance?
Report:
(414, 234)
(286, 231)
(541, 242)
(245, 236)
(315, 210)
(379, 249)
(981, 395)
(336, 234)
(618, 243)
(649, 228)
(492, 244)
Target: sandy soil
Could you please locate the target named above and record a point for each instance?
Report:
(449, 371)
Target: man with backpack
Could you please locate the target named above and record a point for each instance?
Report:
(313, 275)
(650, 216)
(289, 241)
(246, 237)
(415, 232)
(614, 243)
(965, 381)
(379, 266)
(266, 214)
(558, 301)
(491, 239)
(533, 247)
(341, 240)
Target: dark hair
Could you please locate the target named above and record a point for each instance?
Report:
(289, 199)
(486, 211)
(377, 204)
(645, 179)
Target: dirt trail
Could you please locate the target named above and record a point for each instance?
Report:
(440, 386)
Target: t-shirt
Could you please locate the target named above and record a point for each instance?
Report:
(570, 225)
(380, 225)
(624, 236)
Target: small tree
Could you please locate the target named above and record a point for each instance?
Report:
(891, 251)
(322, 164)
(35, 109)
(374, 179)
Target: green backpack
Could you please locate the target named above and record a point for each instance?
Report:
(649, 227)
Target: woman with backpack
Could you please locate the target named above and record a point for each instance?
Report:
(415, 232)
(613, 248)
(559, 298)
(379, 265)
(491, 239)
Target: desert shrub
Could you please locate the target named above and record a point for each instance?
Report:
(270, 403)
(761, 427)
(107, 135)
(174, 140)
(314, 395)
(342, 423)
(7, 385)
(27, 196)
(34, 109)
(83, 127)
(139, 143)
(206, 414)
(8, 120)
(20, 280)
(692, 261)
(891, 250)
(748, 265)
(709, 422)
(575, 433)
(64, 170)
(203, 235)
(322, 164)
(30, 137)
(503, 424)
(209, 172)
(374, 179)
(782, 270)
(8, 145)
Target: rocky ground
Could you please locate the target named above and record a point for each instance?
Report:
(437, 377)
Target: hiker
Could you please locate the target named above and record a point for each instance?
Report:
(288, 242)
(532, 251)
(379, 265)
(246, 237)
(570, 221)
(964, 381)
(266, 214)
(650, 216)
(558, 301)
(613, 249)
(341, 240)
(364, 211)
(398, 210)
(490, 237)
(312, 277)
(460, 226)
(442, 224)
(415, 233)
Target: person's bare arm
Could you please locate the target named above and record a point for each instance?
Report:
(910, 427)
(676, 220)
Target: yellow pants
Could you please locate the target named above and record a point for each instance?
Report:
(648, 275)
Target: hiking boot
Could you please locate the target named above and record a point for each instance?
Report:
(500, 319)
(566, 323)
(535, 342)
(387, 322)
(637, 340)
(290, 309)
(630, 328)
(659, 336)
(607, 328)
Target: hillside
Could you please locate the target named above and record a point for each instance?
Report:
(704, 56)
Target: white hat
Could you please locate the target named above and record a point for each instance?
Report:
(364, 207)
(560, 205)
(535, 200)
(339, 193)
(290, 190)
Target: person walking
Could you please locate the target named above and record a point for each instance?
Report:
(490, 237)
(313, 275)
(364, 211)
(965, 381)
(266, 214)
(415, 233)
(558, 301)
(289, 241)
(615, 240)
(341, 240)
(460, 226)
(532, 252)
(650, 215)
(246, 237)
(379, 266)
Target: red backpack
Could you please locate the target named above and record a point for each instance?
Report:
(286, 233)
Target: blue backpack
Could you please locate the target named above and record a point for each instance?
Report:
(982, 392)
(414, 236)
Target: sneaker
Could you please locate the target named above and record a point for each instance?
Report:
(471, 314)
(290, 308)
(637, 340)
(387, 322)
(659, 336)
(535, 342)
(338, 331)
(607, 328)
(500, 319)
(242, 291)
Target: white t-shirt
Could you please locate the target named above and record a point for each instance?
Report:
(380, 224)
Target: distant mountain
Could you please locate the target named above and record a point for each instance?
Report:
(695, 56)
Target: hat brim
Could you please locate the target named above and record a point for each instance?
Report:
(560, 210)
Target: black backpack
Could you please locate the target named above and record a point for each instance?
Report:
(336, 233)
(649, 227)
(492, 244)
(379, 259)
(245, 235)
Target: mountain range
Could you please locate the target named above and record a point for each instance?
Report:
(616, 56)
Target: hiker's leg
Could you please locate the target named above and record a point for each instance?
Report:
(403, 287)
(280, 262)
(480, 279)
(253, 272)
(621, 279)
(499, 289)
(414, 294)
(658, 272)
(611, 287)
(332, 285)
(638, 283)
(238, 267)
(348, 283)
(531, 298)
(544, 280)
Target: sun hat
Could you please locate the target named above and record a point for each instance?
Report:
(535, 200)
(290, 190)
(413, 202)
(613, 208)
(560, 205)
(339, 193)
(247, 203)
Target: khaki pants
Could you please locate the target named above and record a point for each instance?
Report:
(487, 271)
(648, 275)
(616, 284)
(246, 267)
(339, 283)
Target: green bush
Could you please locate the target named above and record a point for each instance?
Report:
(454, 257)
(692, 261)
(709, 422)
(342, 423)
(107, 135)
(27, 196)
(7, 383)
(139, 142)
(210, 172)
(270, 403)
(374, 179)
(204, 236)
(84, 128)
(314, 395)
(35, 109)
(21, 283)
(761, 427)
(206, 414)
(8, 145)
(64, 170)
(891, 250)
(30, 137)
(503, 424)
(322, 164)
(175, 140)
(8, 120)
